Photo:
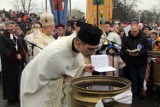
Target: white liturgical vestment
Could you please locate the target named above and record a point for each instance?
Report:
(42, 82)
(42, 41)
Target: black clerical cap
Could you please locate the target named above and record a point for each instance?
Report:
(89, 34)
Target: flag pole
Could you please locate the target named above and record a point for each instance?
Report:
(70, 8)
(97, 3)
(58, 11)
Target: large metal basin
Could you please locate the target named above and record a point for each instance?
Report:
(86, 91)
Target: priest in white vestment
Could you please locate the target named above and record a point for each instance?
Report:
(45, 36)
(46, 79)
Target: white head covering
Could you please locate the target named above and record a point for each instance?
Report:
(47, 19)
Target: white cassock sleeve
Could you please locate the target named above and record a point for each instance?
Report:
(40, 71)
(35, 78)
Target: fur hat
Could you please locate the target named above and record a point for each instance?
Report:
(153, 32)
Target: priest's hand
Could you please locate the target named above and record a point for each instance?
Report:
(88, 68)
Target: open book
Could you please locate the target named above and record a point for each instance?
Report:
(139, 47)
(101, 64)
(134, 50)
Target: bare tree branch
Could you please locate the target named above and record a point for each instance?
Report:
(25, 5)
(32, 5)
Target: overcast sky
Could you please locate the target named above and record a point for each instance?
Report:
(147, 4)
(81, 4)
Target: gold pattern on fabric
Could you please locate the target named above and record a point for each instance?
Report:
(54, 95)
(56, 86)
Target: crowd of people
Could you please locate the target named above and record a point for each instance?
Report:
(39, 58)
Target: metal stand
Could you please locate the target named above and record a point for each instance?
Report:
(32, 45)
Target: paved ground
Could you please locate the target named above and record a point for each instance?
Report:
(150, 101)
(3, 103)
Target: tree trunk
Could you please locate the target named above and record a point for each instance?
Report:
(23, 3)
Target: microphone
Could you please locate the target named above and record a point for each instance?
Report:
(30, 43)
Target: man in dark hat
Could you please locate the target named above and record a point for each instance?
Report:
(53, 68)
(146, 30)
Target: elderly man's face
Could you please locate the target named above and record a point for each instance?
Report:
(134, 30)
(48, 30)
(11, 27)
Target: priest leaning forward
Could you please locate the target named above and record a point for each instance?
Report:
(46, 79)
(45, 36)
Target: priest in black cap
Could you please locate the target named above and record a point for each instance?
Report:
(46, 79)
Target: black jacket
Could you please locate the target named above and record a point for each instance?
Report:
(131, 43)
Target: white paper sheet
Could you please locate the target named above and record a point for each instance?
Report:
(100, 63)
